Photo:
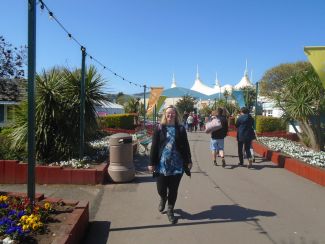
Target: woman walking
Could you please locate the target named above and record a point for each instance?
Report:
(217, 143)
(170, 157)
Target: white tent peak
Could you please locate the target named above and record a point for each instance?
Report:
(173, 82)
(200, 87)
(244, 82)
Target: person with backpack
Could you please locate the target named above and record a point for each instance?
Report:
(170, 157)
(217, 143)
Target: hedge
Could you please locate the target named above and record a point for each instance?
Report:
(268, 124)
(123, 121)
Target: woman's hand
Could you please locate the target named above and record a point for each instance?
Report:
(189, 166)
(151, 168)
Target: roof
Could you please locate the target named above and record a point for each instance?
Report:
(244, 82)
(106, 104)
(202, 88)
(181, 91)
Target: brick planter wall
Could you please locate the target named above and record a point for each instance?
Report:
(13, 172)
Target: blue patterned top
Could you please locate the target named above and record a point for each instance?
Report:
(171, 161)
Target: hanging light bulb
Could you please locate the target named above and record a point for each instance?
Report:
(42, 6)
(50, 15)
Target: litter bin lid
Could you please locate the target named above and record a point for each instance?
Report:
(120, 138)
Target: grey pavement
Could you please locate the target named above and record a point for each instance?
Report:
(228, 205)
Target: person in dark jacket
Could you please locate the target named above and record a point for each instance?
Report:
(245, 135)
(170, 157)
(218, 137)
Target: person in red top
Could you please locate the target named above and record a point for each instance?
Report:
(195, 121)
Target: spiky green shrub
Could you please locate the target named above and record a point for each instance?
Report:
(57, 113)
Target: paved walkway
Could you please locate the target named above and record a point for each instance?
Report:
(229, 205)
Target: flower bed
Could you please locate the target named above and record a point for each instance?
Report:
(306, 170)
(49, 221)
(291, 156)
(294, 150)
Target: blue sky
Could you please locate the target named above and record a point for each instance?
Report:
(146, 41)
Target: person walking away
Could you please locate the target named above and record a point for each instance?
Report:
(245, 135)
(190, 121)
(184, 119)
(170, 157)
(218, 138)
(195, 122)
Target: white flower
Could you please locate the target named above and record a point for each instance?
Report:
(294, 150)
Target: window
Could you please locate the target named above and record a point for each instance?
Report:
(2, 113)
(269, 113)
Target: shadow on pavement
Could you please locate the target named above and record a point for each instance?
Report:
(229, 212)
(97, 232)
(216, 215)
(144, 178)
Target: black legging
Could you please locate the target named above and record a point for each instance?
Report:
(167, 187)
(247, 146)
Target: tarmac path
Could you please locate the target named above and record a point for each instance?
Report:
(228, 205)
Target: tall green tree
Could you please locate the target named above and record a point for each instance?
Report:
(186, 103)
(12, 60)
(274, 78)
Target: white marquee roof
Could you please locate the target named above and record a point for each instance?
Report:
(244, 82)
(200, 87)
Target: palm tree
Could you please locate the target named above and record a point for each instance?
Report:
(132, 105)
(57, 113)
(304, 101)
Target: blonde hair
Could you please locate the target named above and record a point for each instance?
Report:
(214, 113)
(164, 118)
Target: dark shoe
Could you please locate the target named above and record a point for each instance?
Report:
(161, 206)
(223, 163)
(170, 214)
(215, 163)
(240, 164)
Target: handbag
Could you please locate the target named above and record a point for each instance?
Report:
(213, 125)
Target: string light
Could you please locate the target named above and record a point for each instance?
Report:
(52, 16)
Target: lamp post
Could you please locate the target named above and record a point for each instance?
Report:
(82, 103)
(256, 105)
(144, 106)
(31, 98)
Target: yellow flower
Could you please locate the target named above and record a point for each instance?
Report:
(47, 206)
(35, 226)
(25, 227)
(3, 198)
(23, 218)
